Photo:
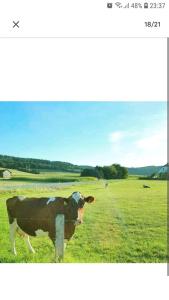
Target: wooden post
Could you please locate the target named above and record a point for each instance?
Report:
(59, 241)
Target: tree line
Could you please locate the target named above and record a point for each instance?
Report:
(115, 171)
(33, 165)
(36, 165)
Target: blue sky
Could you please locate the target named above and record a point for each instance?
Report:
(86, 133)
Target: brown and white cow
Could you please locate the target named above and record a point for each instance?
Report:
(55, 217)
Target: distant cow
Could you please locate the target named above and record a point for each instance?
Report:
(146, 186)
(106, 184)
(55, 217)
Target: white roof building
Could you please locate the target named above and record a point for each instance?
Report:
(164, 169)
(6, 174)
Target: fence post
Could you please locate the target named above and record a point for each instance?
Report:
(59, 238)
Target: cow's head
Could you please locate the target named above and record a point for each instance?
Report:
(75, 207)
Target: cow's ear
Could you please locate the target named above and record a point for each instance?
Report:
(89, 199)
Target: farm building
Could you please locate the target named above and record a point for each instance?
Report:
(6, 174)
(163, 172)
(163, 169)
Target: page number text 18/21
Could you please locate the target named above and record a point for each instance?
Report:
(153, 24)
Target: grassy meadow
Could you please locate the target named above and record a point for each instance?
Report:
(126, 223)
(44, 177)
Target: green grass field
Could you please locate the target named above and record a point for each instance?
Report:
(127, 223)
(44, 177)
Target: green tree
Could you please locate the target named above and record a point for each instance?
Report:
(122, 172)
(109, 172)
(89, 172)
(99, 172)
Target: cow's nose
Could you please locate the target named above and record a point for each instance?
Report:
(78, 222)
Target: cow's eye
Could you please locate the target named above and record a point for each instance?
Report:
(81, 203)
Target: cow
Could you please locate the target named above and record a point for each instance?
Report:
(106, 185)
(146, 186)
(55, 217)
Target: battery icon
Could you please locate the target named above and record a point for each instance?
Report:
(145, 5)
(109, 5)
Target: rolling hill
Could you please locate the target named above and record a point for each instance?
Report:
(144, 170)
(33, 164)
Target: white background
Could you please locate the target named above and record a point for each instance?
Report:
(78, 69)
(83, 69)
(84, 281)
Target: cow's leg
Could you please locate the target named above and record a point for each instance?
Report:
(65, 243)
(12, 232)
(59, 239)
(25, 236)
(28, 243)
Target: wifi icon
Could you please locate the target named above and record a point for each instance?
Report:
(118, 4)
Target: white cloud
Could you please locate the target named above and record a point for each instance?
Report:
(139, 148)
(121, 136)
(116, 136)
(153, 142)
(142, 158)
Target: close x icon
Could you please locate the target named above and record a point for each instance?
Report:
(16, 24)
